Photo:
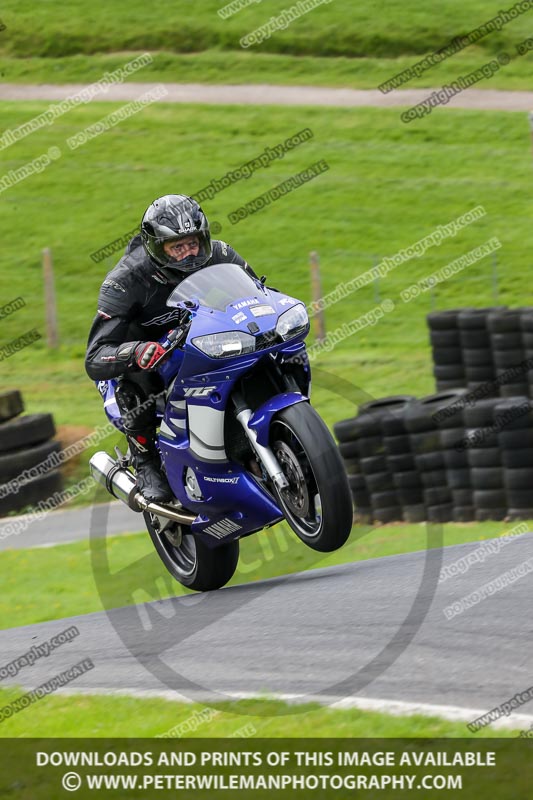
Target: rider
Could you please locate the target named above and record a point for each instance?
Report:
(132, 315)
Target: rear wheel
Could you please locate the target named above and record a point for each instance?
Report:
(317, 502)
(188, 559)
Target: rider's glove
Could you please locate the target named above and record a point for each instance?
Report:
(147, 354)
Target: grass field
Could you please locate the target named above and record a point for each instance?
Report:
(389, 184)
(339, 43)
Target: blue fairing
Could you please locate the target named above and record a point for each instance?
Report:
(229, 501)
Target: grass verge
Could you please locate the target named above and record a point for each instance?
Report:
(85, 716)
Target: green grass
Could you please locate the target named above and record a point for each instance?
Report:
(382, 29)
(231, 67)
(82, 716)
(81, 578)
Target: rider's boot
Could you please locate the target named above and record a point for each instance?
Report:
(139, 421)
(151, 481)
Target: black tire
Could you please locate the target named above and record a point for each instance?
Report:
(526, 320)
(426, 442)
(511, 340)
(452, 438)
(475, 318)
(517, 459)
(407, 480)
(519, 498)
(379, 482)
(454, 459)
(520, 513)
(12, 464)
(442, 320)
(504, 359)
(193, 563)
(527, 340)
(514, 414)
(361, 499)
(479, 374)
(489, 498)
(413, 514)
(384, 500)
(458, 479)
(481, 414)
(440, 513)
(437, 496)
(397, 445)
(32, 492)
(514, 389)
(434, 478)
(486, 457)
(363, 515)
(371, 446)
(518, 479)
(24, 431)
(475, 339)
(504, 321)
(445, 338)
(386, 405)
(357, 483)
(448, 372)
(510, 440)
(462, 497)
(389, 514)
(491, 514)
(11, 405)
(401, 463)
(309, 457)
(445, 386)
(429, 462)
(487, 478)
(479, 438)
(488, 388)
(478, 357)
(349, 449)
(347, 430)
(410, 497)
(424, 414)
(373, 464)
(352, 466)
(447, 356)
(463, 513)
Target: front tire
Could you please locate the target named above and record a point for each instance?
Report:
(192, 563)
(318, 501)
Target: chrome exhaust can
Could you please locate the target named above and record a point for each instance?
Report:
(118, 481)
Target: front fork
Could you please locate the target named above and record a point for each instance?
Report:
(263, 453)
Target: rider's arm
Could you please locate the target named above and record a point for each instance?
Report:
(109, 354)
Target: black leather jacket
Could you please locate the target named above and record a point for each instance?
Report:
(132, 308)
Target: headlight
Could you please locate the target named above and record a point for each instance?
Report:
(292, 322)
(224, 345)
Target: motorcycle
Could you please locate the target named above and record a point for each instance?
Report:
(240, 443)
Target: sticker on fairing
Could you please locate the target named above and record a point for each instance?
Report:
(262, 311)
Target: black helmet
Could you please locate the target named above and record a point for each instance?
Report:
(170, 218)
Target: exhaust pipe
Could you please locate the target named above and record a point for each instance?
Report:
(121, 484)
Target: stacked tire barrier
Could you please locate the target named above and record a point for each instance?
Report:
(25, 442)
(483, 347)
(446, 457)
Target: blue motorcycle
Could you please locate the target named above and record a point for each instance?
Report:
(241, 445)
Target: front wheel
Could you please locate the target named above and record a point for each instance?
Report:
(317, 503)
(188, 559)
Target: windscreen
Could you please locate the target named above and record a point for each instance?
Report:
(215, 287)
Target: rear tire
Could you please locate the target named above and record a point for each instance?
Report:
(317, 505)
(193, 563)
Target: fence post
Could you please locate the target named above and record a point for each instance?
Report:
(316, 293)
(50, 299)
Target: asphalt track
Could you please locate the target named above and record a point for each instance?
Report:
(267, 94)
(366, 633)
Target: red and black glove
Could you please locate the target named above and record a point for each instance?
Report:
(147, 354)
